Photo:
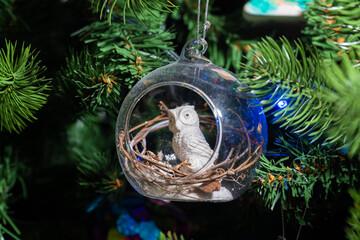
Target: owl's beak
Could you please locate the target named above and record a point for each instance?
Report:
(171, 115)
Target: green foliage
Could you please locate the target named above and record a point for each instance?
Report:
(352, 229)
(140, 9)
(170, 236)
(89, 147)
(333, 26)
(321, 114)
(345, 107)
(130, 48)
(9, 175)
(320, 98)
(284, 73)
(300, 169)
(6, 12)
(100, 172)
(22, 90)
(122, 55)
(90, 82)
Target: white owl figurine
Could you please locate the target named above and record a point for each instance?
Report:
(189, 143)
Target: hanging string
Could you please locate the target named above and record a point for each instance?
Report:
(198, 20)
(207, 24)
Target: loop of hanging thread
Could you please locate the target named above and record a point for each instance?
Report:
(207, 24)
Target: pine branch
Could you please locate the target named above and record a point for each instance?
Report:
(9, 175)
(316, 102)
(140, 9)
(334, 26)
(130, 45)
(6, 12)
(99, 172)
(91, 82)
(345, 107)
(352, 229)
(122, 56)
(299, 168)
(89, 144)
(22, 90)
(294, 75)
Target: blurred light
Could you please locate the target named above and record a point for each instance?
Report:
(282, 104)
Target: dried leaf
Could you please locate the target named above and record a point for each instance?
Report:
(210, 187)
(259, 128)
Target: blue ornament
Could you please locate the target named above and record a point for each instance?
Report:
(149, 231)
(127, 225)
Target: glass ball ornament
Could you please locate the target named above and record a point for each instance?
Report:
(187, 132)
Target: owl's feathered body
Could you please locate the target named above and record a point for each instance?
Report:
(189, 143)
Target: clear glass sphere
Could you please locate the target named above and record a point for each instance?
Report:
(187, 132)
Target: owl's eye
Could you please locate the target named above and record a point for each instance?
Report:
(188, 116)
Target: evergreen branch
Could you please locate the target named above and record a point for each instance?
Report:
(122, 56)
(352, 229)
(133, 39)
(99, 169)
(299, 169)
(345, 109)
(317, 100)
(8, 232)
(9, 174)
(135, 7)
(333, 26)
(22, 91)
(293, 75)
(91, 82)
(99, 172)
(6, 12)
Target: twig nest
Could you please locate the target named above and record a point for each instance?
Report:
(186, 132)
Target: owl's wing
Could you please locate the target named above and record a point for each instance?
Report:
(198, 144)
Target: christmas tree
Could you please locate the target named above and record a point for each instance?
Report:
(66, 67)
